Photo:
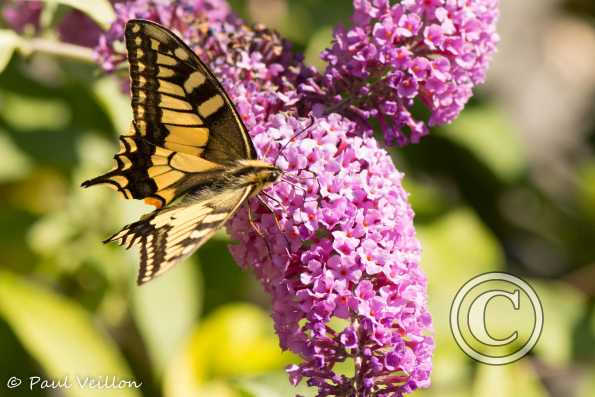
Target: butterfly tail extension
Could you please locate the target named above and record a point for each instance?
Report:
(132, 233)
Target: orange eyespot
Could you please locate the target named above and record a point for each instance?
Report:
(153, 201)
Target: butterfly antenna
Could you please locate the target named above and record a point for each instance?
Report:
(259, 231)
(295, 186)
(279, 203)
(257, 228)
(293, 138)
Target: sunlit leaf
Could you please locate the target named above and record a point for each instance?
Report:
(99, 10)
(8, 44)
(297, 23)
(15, 164)
(61, 336)
(255, 389)
(563, 307)
(51, 233)
(50, 114)
(234, 341)
(586, 189)
(488, 133)
(586, 387)
(272, 384)
(456, 248)
(516, 379)
(451, 372)
(165, 310)
(318, 42)
(115, 103)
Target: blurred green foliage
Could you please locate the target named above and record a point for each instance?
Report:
(68, 304)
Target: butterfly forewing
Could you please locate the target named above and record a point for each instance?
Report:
(184, 122)
(177, 102)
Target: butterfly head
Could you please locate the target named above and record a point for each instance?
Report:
(273, 174)
(258, 172)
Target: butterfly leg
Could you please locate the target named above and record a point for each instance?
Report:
(253, 224)
(294, 137)
(276, 219)
(259, 232)
(314, 176)
(270, 209)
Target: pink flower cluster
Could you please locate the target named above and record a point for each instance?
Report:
(342, 247)
(75, 27)
(397, 59)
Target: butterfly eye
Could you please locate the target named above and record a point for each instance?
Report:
(275, 175)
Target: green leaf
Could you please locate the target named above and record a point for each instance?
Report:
(15, 164)
(9, 42)
(563, 308)
(516, 379)
(233, 342)
(586, 189)
(50, 114)
(108, 91)
(488, 133)
(318, 42)
(426, 198)
(99, 10)
(61, 336)
(165, 310)
(456, 248)
(255, 389)
(586, 386)
(272, 384)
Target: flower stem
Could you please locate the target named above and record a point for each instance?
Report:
(358, 360)
(27, 47)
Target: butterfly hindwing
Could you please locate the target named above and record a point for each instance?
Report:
(169, 235)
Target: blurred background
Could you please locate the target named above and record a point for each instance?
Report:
(510, 186)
